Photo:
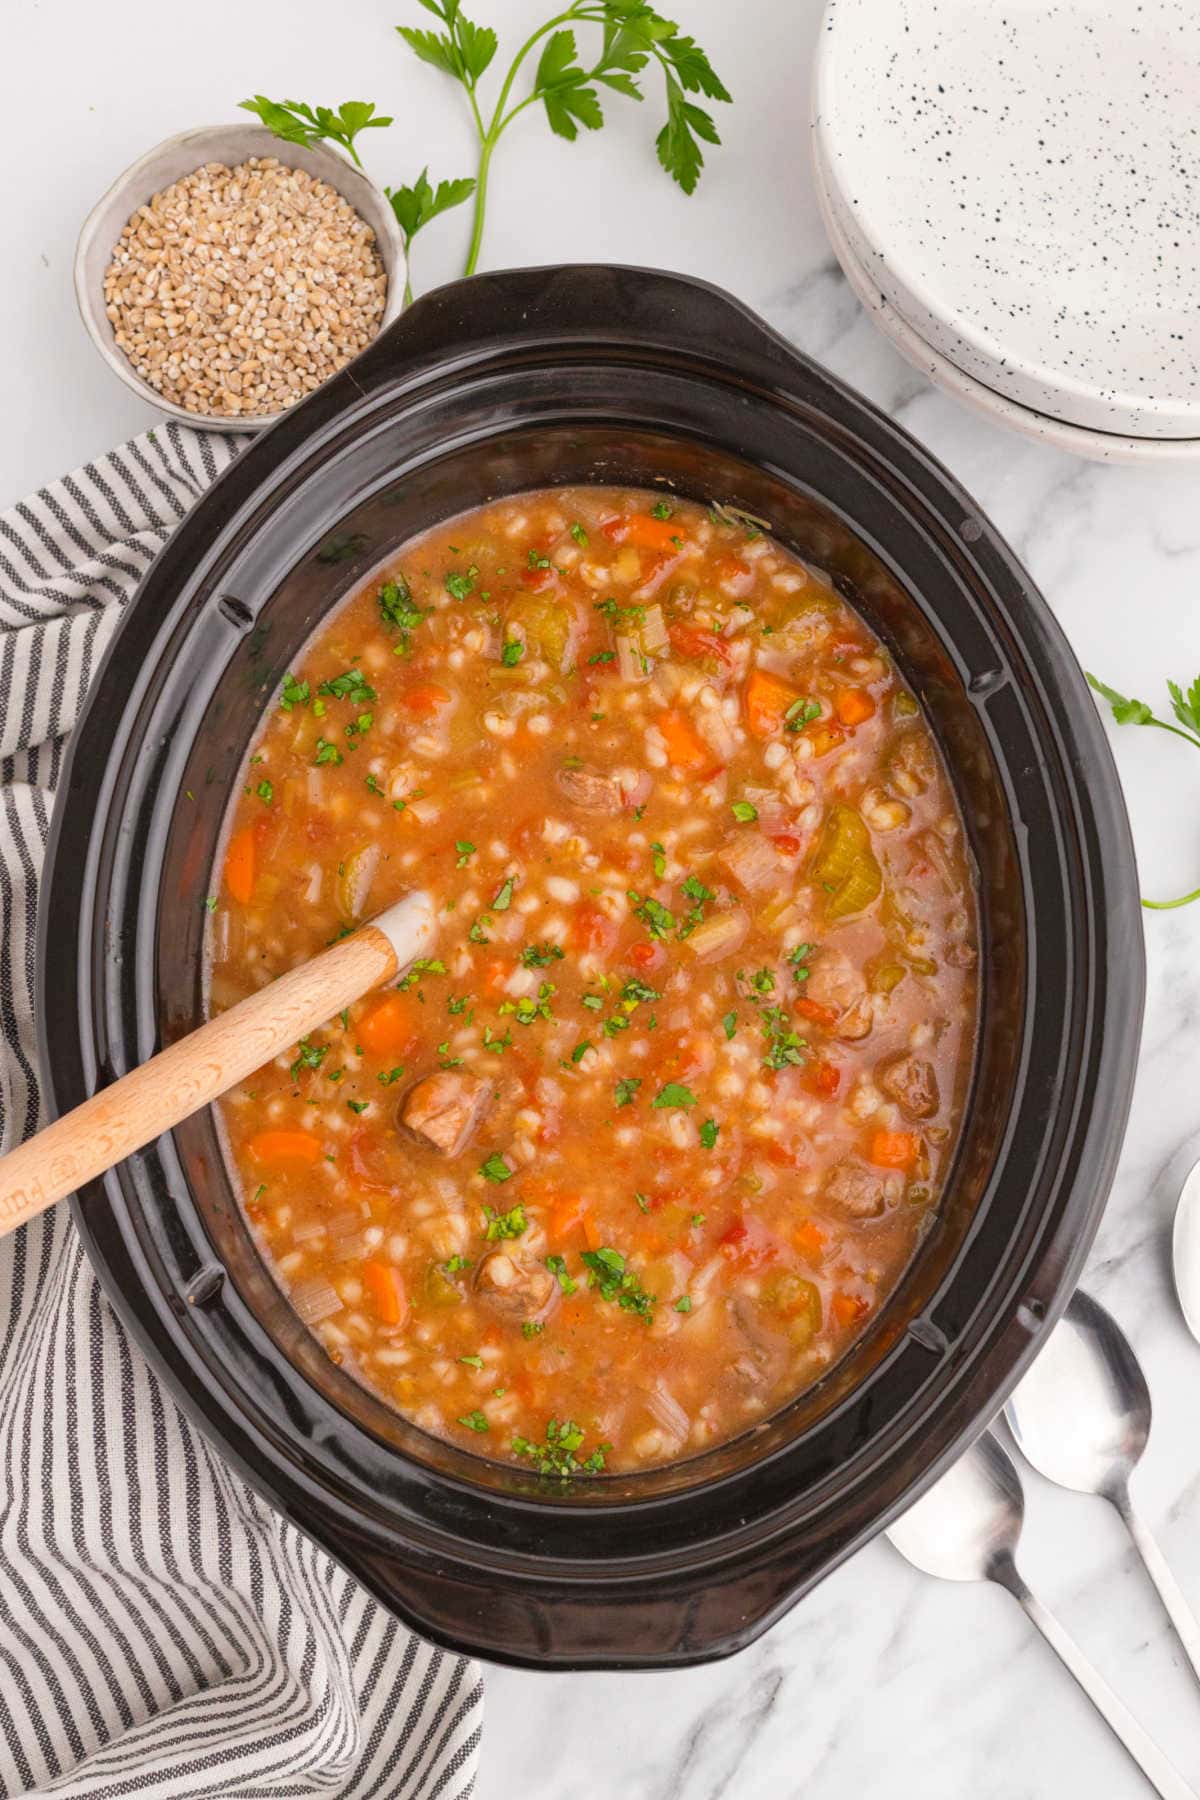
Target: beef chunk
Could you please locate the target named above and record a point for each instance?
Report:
(856, 1190)
(514, 1286)
(912, 1084)
(443, 1110)
(758, 1357)
(835, 983)
(589, 791)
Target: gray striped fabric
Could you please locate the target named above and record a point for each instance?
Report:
(162, 1632)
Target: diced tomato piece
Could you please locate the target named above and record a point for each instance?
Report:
(850, 1309)
(686, 749)
(786, 844)
(820, 1015)
(537, 578)
(748, 1249)
(427, 700)
(895, 1149)
(382, 1281)
(592, 929)
(389, 1028)
(275, 1147)
(645, 955)
(564, 1216)
(644, 532)
(767, 698)
(240, 860)
(495, 976)
(700, 645)
(822, 1079)
(853, 706)
(732, 572)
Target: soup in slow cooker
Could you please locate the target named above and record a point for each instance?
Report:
(648, 1140)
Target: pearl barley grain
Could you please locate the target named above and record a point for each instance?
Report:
(235, 292)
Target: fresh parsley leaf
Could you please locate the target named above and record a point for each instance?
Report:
(474, 1421)
(415, 206)
(557, 1266)
(800, 713)
(729, 1022)
(558, 1455)
(744, 812)
(708, 1133)
(674, 1094)
(295, 693)
(512, 653)
(327, 753)
(683, 1304)
(626, 1090)
(540, 956)
(503, 899)
(310, 1056)
(297, 123)
(610, 1274)
(496, 1169)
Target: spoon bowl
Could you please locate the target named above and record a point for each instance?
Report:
(1082, 1414)
(1185, 1250)
(969, 1521)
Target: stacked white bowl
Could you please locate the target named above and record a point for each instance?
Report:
(1013, 189)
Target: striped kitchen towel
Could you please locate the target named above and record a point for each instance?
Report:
(162, 1632)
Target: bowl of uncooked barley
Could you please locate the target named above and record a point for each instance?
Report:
(226, 274)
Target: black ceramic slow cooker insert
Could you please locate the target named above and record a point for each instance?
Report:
(485, 388)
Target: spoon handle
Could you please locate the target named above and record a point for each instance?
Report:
(1162, 1774)
(1169, 1591)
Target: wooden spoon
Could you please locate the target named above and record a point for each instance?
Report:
(193, 1072)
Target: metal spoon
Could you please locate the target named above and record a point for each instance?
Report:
(1082, 1416)
(966, 1528)
(1185, 1250)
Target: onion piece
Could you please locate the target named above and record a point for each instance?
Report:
(661, 1402)
(752, 862)
(654, 631)
(315, 1300)
(631, 664)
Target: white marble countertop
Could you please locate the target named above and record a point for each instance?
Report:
(882, 1684)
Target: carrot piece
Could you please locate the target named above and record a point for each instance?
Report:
(895, 1149)
(239, 865)
(427, 699)
(822, 1079)
(382, 1281)
(284, 1147)
(698, 645)
(853, 706)
(388, 1027)
(767, 701)
(644, 955)
(820, 1015)
(809, 1240)
(685, 747)
(850, 1309)
(591, 1231)
(645, 533)
(565, 1215)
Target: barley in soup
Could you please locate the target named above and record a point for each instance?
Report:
(648, 1141)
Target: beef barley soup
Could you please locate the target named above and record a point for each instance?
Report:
(650, 1138)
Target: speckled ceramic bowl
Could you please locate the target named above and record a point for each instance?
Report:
(1078, 440)
(1015, 186)
(176, 157)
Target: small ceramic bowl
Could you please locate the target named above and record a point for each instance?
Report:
(166, 163)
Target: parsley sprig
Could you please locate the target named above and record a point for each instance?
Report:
(1186, 708)
(565, 84)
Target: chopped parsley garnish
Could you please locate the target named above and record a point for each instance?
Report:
(211, 903)
(527, 1009)
(696, 891)
(311, 1056)
(580, 1051)
(762, 981)
(654, 916)
(643, 1203)
(466, 851)
(386, 1077)
(496, 1169)
(532, 1328)
(458, 1003)
(453, 1266)
(602, 656)
(662, 510)
(472, 1362)
(683, 1304)
(784, 1047)
(537, 560)
(557, 1456)
(626, 1089)
(352, 686)
(708, 1133)
(579, 534)
(326, 752)
(729, 1022)
(744, 812)
(497, 1044)
(608, 1272)
(557, 1266)
(424, 965)
(295, 693)
(396, 606)
(476, 933)
(504, 1225)
(503, 899)
(540, 956)
(460, 587)
(265, 792)
(593, 1002)
(800, 713)
(798, 958)
(660, 860)
(674, 1094)
(373, 787)
(474, 1421)
(618, 615)
(512, 653)
(358, 1106)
